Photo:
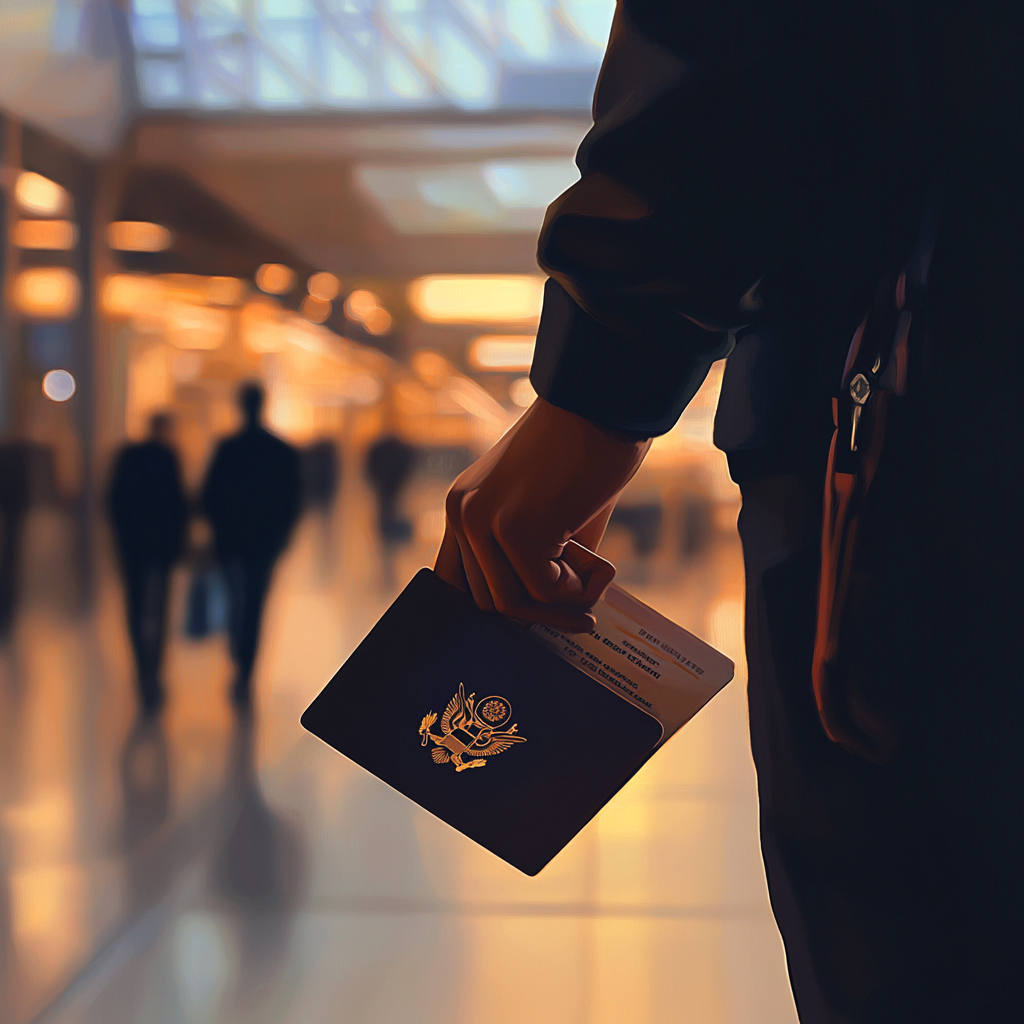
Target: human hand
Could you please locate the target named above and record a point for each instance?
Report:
(523, 520)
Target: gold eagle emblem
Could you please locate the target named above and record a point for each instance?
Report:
(470, 729)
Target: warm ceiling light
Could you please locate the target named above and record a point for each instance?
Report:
(47, 293)
(59, 385)
(196, 327)
(275, 278)
(502, 351)
(431, 367)
(360, 304)
(377, 321)
(130, 294)
(38, 195)
(224, 291)
(364, 307)
(45, 234)
(323, 286)
(315, 310)
(475, 298)
(138, 236)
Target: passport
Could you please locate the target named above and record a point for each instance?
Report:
(515, 736)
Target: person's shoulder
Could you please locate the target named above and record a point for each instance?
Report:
(277, 444)
(227, 446)
(133, 454)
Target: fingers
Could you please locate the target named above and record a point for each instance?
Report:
(524, 520)
(594, 571)
(564, 588)
(448, 564)
(475, 576)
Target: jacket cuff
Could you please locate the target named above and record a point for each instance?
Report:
(639, 385)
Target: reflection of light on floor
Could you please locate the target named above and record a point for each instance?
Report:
(202, 963)
(48, 904)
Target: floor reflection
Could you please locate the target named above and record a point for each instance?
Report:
(208, 867)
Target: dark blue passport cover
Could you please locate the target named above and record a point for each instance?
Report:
(526, 800)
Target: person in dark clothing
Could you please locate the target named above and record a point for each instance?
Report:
(15, 498)
(252, 497)
(321, 472)
(389, 464)
(149, 513)
(782, 181)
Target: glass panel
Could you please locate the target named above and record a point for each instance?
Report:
(287, 9)
(344, 77)
(591, 20)
(476, 54)
(463, 71)
(157, 33)
(275, 87)
(528, 23)
(529, 184)
(402, 79)
(162, 83)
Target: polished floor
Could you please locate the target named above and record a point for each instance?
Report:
(204, 869)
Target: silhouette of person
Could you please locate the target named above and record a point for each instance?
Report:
(149, 512)
(832, 194)
(252, 497)
(14, 502)
(320, 475)
(389, 464)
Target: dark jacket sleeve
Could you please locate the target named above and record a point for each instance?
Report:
(730, 138)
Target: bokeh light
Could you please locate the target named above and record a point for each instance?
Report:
(38, 195)
(51, 293)
(323, 286)
(275, 278)
(521, 392)
(363, 307)
(129, 294)
(225, 291)
(138, 236)
(502, 352)
(59, 385)
(59, 235)
(477, 298)
(315, 310)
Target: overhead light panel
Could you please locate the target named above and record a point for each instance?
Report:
(502, 352)
(37, 195)
(131, 294)
(477, 298)
(138, 236)
(224, 291)
(47, 293)
(45, 234)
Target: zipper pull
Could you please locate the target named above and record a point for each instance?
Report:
(860, 391)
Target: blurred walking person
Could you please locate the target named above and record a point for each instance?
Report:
(15, 498)
(390, 462)
(149, 512)
(252, 497)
